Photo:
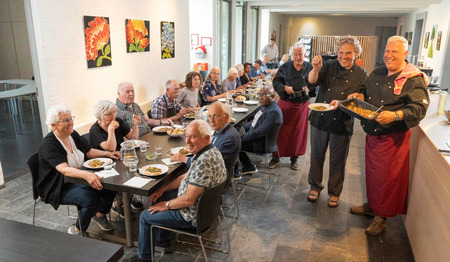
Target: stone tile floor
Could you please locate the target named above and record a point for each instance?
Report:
(279, 225)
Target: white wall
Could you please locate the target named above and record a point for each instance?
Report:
(201, 22)
(58, 52)
(275, 21)
(14, 45)
(264, 30)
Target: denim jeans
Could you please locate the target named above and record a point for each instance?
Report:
(169, 218)
(89, 201)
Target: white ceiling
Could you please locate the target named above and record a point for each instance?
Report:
(373, 8)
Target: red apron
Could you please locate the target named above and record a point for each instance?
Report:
(293, 135)
(387, 173)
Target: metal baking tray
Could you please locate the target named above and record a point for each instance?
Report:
(358, 103)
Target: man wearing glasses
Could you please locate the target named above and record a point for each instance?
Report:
(268, 114)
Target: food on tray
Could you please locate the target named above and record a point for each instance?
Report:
(319, 108)
(362, 111)
(96, 163)
(190, 115)
(184, 151)
(175, 131)
(241, 98)
(152, 171)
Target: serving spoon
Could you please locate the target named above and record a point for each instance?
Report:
(376, 112)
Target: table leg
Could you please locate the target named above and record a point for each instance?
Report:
(128, 218)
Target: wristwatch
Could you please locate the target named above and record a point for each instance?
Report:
(396, 117)
(168, 205)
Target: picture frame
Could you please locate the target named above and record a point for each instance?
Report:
(206, 41)
(194, 39)
(427, 38)
(438, 42)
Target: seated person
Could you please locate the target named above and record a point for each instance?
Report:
(230, 83)
(240, 70)
(127, 108)
(211, 90)
(175, 204)
(255, 132)
(245, 78)
(284, 59)
(264, 69)
(61, 153)
(188, 97)
(166, 106)
(255, 72)
(107, 134)
(226, 138)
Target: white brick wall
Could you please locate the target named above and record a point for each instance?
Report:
(59, 52)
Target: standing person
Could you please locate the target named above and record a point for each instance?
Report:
(245, 78)
(271, 49)
(402, 89)
(166, 106)
(289, 83)
(127, 108)
(188, 97)
(337, 79)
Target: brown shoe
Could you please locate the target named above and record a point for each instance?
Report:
(377, 226)
(362, 210)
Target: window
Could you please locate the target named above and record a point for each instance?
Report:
(223, 29)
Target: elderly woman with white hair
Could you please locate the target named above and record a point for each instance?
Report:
(229, 83)
(109, 130)
(61, 153)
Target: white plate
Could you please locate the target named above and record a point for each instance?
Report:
(222, 100)
(240, 109)
(327, 106)
(107, 161)
(250, 102)
(160, 129)
(177, 150)
(163, 168)
(138, 143)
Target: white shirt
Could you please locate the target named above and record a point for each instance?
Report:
(272, 51)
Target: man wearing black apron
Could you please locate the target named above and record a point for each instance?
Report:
(166, 106)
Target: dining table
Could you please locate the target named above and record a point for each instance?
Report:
(166, 143)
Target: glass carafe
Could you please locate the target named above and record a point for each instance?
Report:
(128, 153)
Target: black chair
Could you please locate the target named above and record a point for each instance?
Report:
(270, 145)
(86, 137)
(199, 98)
(33, 165)
(231, 180)
(208, 211)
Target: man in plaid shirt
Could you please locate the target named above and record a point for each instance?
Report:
(166, 106)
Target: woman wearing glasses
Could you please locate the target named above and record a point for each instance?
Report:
(61, 153)
(211, 91)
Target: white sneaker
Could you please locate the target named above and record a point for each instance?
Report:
(72, 231)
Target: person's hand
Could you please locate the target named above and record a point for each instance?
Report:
(334, 104)
(178, 157)
(113, 155)
(156, 195)
(94, 181)
(114, 125)
(158, 207)
(183, 111)
(317, 63)
(356, 95)
(385, 117)
(289, 89)
(136, 119)
(167, 122)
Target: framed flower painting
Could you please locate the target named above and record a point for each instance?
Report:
(137, 35)
(98, 41)
(167, 40)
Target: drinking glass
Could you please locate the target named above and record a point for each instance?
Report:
(158, 150)
(143, 147)
(133, 166)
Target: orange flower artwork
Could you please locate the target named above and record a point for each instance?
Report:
(98, 41)
(137, 34)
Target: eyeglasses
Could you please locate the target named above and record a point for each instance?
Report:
(215, 116)
(66, 120)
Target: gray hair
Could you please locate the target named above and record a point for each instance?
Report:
(239, 67)
(397, 38)
(102, 108)
(170, 83)
(351, 40)
(202, 127)
(232, 71)
(53, 114)
(266, 55)
(224, 107)
(122, 85)
(298, 45)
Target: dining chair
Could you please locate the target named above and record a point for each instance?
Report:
(33, 165)
(231, 180)
(208, 211)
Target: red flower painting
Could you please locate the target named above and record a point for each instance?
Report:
(137, 35)
(97, 36)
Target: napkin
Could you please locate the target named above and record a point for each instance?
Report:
(138, 181)
(107, 173)
(168, 162)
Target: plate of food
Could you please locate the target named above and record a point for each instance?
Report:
(190, 115)
(222, 100)
(97, 163)
(161, 129)
(232, 120)
(251, 102)
(153, 171)
(320, 107)
(175, 132)
(182, 150)
(359, 109)
(239, 109)
(240, 99)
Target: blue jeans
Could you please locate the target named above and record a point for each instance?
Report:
(169, 218)
(89, 201)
